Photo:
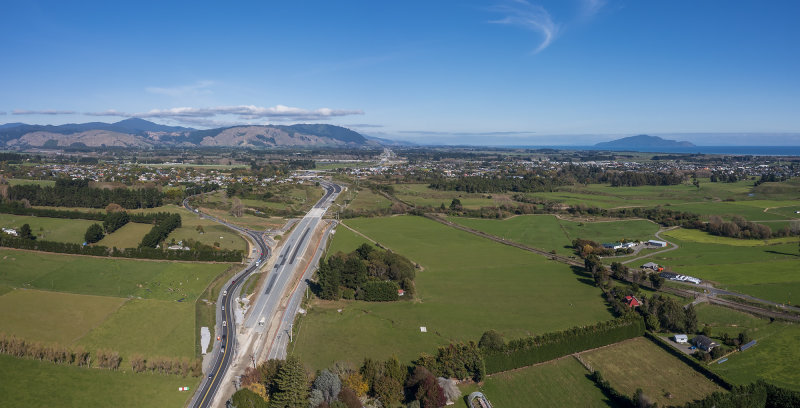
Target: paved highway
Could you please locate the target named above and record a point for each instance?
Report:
(280, 344)
(267, 303)
(223, 350)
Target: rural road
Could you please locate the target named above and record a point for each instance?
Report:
(225, 328)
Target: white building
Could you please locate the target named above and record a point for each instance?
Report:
(655, 243)
(10, 231)
(681, 338)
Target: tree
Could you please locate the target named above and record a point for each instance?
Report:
(291, 385)
(113, 207)
(491, 340)
(25, 232)
(455, 205)
(328, 384)
(388, 390)
(237, 208)
(93, 234)
(430, 394)
(246, 398)
(450, 388)
(656, 280)
(355, 382)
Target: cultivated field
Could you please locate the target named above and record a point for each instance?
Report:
(469, 285)
(548, 232)
(50, 229)
(765, 271)
(30, 383)
(638, 363)
(559, 383)
(128, 236)
(53, 317)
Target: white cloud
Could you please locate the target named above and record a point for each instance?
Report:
(42, 112)
(198, 88)
(529, 16)
(242, 112)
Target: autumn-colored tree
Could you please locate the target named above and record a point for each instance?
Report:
(355, 382)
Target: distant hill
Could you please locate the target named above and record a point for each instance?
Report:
(642, 142)
(136, 132)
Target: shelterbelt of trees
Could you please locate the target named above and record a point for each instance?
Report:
(541, 180)
(77, 193)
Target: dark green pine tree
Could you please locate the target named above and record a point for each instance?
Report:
(25, 232)
(292, 385)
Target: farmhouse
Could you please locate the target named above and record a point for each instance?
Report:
(681, 338)
(655, 243)
(704, 343)
(10, 231)
(631, 301)
(651, 265)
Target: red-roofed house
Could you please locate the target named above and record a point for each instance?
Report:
(631, 301)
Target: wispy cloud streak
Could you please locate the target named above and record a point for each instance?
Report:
(529, 16)
(243, 112)
(591, 7)
(42, 112)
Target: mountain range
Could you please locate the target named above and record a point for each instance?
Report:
(643, 142)
(141, 133)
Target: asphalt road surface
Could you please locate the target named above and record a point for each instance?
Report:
(267, 303)
(296, 244)
(225, 327)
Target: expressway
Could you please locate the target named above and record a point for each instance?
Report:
(284, 268)
(267, 304)
(223, 350)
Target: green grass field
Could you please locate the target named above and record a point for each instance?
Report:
(53, 317)
(421, 195)
(106, 276)
(774, 359)
(548, 232)
(638, 363)
(50, 229)
(30, 383)
(692, 235)
(725, 320)
(469, 285)
(366, 200)
(346, 241)
(147, 326)
(559, 383)
(129, 236)
(767, 271)
(43, 183)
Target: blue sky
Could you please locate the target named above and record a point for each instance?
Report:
(489, 72)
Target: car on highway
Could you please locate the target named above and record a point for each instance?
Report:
(224, 323)
(224, 293)
(223, 308)
(211, 375)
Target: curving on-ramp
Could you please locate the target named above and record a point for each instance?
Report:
(478, 400)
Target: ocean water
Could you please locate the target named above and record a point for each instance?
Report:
(733, 150)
